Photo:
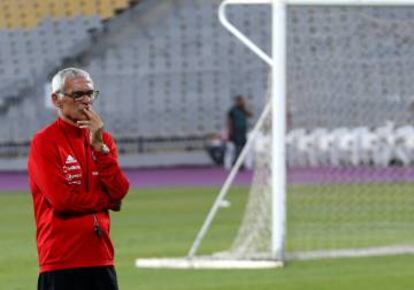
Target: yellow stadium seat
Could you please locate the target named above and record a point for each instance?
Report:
(73, 8)
(12, 15)
(30, 18)
(105, 9)
(5, 8)
(88, 8)
(105, 3)
(43, 8)
(2, 22)
(106, 13)
(2, 16)
(57, 9)
(120, 4)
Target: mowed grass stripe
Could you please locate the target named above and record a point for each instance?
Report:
(164, 222)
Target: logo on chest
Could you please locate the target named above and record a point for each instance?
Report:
(72, 170)
(70, 159)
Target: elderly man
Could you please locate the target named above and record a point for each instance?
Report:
(75, 179)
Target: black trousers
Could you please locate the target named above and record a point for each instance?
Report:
(96, 278)
(238, 149)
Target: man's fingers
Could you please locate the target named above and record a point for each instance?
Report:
(91, 111)
(88, 112)
(83, 124)
(91, 114)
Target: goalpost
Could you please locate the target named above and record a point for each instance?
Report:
(270, 192)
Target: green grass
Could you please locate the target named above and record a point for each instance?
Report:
(157, 223)
(350, 215)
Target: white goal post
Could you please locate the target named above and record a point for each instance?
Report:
(277, 62)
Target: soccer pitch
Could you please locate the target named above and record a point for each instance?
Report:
(164, 222)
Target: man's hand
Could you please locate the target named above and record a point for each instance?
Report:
(95, 126)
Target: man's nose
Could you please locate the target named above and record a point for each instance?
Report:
(85, 99)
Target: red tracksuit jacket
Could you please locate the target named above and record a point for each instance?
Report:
(72, 188)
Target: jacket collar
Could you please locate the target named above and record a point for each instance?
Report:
(69, 129)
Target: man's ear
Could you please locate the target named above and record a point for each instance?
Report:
(57, 101)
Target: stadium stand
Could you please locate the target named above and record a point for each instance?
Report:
(162, 72)
(37, 35)
(26, 54)
(167, 70)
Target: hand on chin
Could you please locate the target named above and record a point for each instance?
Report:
(82, 116)
(76, 117)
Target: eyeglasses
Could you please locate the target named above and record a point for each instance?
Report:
(78, 95)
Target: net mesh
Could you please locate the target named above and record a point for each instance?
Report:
(253, 240)
(350, 140)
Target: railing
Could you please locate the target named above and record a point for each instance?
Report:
(126, 145)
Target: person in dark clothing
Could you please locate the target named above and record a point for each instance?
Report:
(237, 124)
(216, 148)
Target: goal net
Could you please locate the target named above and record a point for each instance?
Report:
(350, 139)
(349, 142)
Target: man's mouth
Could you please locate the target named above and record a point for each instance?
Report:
(82, 107)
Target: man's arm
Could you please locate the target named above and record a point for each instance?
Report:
(45, 169)
(247, 110)
(230, 126)
(110, 173)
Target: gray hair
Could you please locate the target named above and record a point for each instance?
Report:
(58, 81)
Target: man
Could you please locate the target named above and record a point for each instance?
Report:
(237, 124)
(75, 180)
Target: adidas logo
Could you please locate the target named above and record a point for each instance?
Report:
(70, 159)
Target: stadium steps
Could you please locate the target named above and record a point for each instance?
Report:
(19, 85)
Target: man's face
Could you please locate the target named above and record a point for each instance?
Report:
(239, 102)
(69, 107)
